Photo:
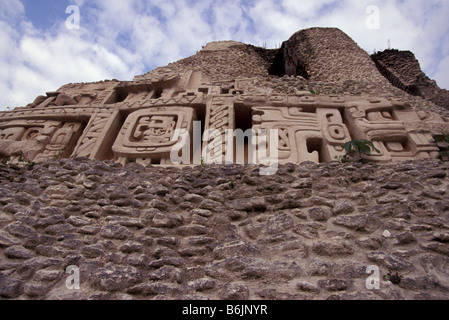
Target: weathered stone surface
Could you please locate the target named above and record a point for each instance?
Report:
(202, 250)
(90, 230)
(202, 284)
(79, 221)
(21, 230)
(330, 249)
(59, 229)
(390, 261)
(442, 237)
(36, 289)
(47, 275)
(234, 291)
(307, 287)
(369, 243)
(168, 241)
(169, 261)
(18, 252)
(168, 220)
(199, 241)
(92, 251)
(29, 267)
(361, 222)
(422, 284)
(252, 204)
(280, 222)
(137, 260)
(10, 288)
(442, 248)
(116, 278)
(131, 246)
(192, 230)
(437, 266)
(126, 222)
(273, 294)
(402, 69)
(49, 251)
(49, 221)
(405, 238)
(233, 248)
(6, 239)
(300, 249)
(115, 232)
(118, 211)
(166, 273)
(308, 230)
(320, 214)
(158, 204)
(334, 284)
(343, 207)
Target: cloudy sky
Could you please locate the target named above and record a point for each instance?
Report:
(45, 44)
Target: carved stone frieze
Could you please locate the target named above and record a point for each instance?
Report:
(138, 121)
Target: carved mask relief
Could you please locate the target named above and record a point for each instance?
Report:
(148, 135)
(42, 140)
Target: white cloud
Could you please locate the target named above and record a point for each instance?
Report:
(442, 76)
(36, 63)
(10, 10)
(120, 39)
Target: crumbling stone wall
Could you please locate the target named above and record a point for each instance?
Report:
(402, 69)
(223, 61)
(224, 232)
(328, 54)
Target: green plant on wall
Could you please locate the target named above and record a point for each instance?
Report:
(361, 147)
(393, 278)
(59, 154)
(442, 142)
(21, 160)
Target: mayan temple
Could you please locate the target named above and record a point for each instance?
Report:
(154, 188)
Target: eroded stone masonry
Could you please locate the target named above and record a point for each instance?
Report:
(87, 180)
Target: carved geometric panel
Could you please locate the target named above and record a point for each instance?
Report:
(296, 130)
(316, 135)
(149, 135)
(397, 131)
(220, 116)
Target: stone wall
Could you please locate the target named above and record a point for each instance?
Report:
(402, 69)
(223, 61)
(224, 232)
(328, 54)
